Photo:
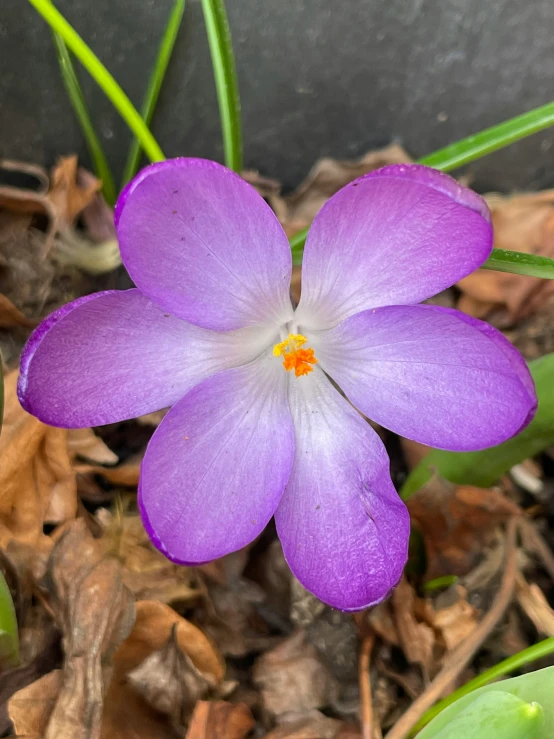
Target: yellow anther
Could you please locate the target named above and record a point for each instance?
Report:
(295, 358)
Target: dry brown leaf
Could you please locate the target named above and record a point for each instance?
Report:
(11, 316)
(37, 483)
(457, 522)
(146, 572)
(326, 178)
(522, 223)
(125, 475)
(533, 601)
(454, 622)
(96, 612)
(293, 679)
(152, 630)
(416, 638)
(31, 707)
(169, 682)
(68, 196)
(414, 452)
(220, 720)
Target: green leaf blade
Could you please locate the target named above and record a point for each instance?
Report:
(9, 639)
(155, 85)
(75, 94)
(226, 81)
(101, 76)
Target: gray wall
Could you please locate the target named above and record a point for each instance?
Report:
(317, 77)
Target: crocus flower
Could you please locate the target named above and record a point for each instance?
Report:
(256, 429)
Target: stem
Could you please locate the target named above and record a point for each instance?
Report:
(75, 94)
(155, 85)
(542, 649)
(101, 75)
(225, 73)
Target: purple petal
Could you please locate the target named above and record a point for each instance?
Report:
(430, 375)
(115, 355)
(397, 235)
(343, 527)
(217, 465)
(201, 243)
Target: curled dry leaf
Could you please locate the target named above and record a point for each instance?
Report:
(457, 522)
(37, 482)
(293, 679)
(220, 720)
(169, 681)
(454, 622)
(522, 223)
(417, 639)
(327, 177)
(534, 603)
(96, 613)
(154, 625)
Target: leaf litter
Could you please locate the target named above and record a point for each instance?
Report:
(116, 641)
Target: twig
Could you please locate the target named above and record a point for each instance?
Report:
(459, 658)
(365, 687)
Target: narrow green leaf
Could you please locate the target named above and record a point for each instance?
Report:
(519, 263)
(532, 687)
(100, 74)
(155, 85)
(101, 166)
(484, 467)
(9, 639)
(491, 139)
(511, 664)
(495, 713)
(225, 73)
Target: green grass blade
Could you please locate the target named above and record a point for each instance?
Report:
(519, 263)
(102, 77)
(155, 85)
(491, 139)
(515, 662)
(101, 166)
(225, 73)
(9, 638)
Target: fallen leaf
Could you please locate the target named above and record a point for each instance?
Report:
(11, 316)
(523, 223)
(37, 482)
(417, 639)
(69, 197)
(96, 612)
(31, 707)
(534, 603)
(293, 679)
(168, 680)
(457, 522)
(327, 177)
(456, 621)
(153, 627)
(220, 720)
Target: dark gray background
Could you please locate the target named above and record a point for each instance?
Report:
(317, 77)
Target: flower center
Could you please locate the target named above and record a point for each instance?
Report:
(294, 357)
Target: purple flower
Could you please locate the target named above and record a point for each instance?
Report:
(256, 428)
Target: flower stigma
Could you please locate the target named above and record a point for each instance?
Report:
(294, 357)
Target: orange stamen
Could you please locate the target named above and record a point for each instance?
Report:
(294, 357)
